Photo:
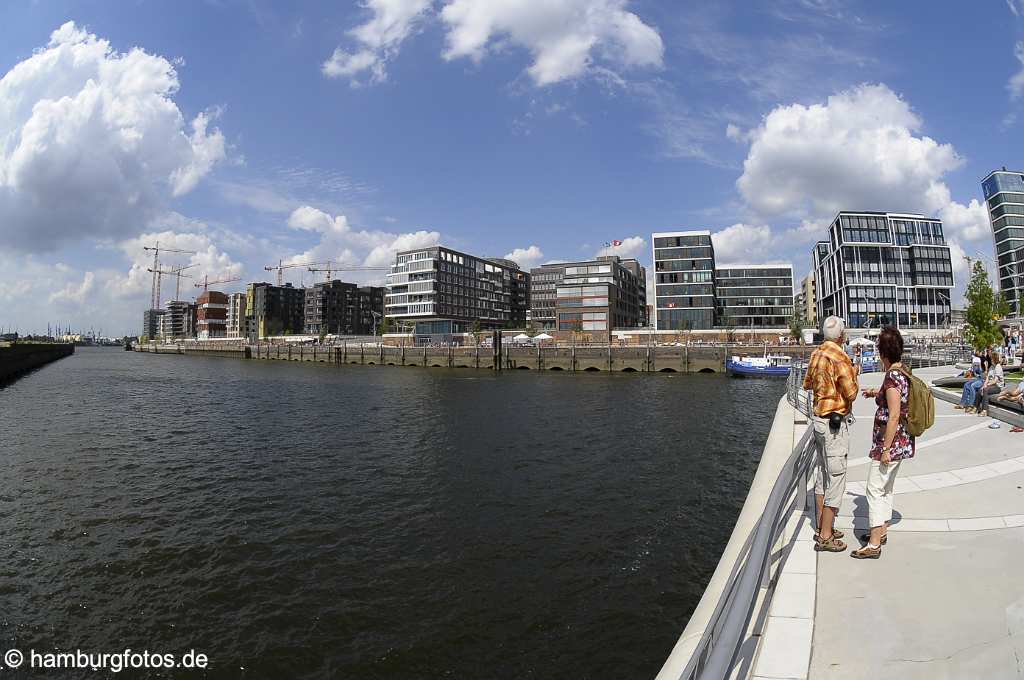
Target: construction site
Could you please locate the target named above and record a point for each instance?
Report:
(326, 307)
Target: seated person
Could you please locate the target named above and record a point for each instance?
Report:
(1012, 394)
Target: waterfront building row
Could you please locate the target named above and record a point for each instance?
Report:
(693, 292)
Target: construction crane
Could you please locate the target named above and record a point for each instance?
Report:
(175, 272)
(206, 281)
(280, 267)
(155, 295)
(331, 267)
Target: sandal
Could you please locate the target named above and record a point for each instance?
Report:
(866, 538)
(867, 553)
(960, 407)
(831, 544)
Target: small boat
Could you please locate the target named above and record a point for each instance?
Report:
(768, 365)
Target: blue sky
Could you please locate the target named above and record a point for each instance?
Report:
(258, 131)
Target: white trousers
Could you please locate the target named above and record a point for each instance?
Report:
(881, 480)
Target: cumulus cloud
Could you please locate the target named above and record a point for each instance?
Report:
(742, 243)
(340, 243)
(566, 39)
(860, 150)
(392, 21)
(92, 143)
(75, 293)
(526, 258)
(209, 259)
(633, 246)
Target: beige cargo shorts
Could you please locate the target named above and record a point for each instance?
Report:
(833, 451)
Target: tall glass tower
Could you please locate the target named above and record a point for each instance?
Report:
(1004, 194)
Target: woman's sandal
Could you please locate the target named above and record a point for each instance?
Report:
(867, 553)
(866, 538)
(831, 544)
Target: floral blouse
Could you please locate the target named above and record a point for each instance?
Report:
(902, 443)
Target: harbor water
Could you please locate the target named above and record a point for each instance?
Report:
(315, 521)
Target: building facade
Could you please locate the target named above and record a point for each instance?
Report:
(879, 269)
(1004, 197)
(151, 324)
(235, 327)
(754, 295)
(179, 320)
(684, 280)
(806, 304)
(211, 315)
(340, 308)
(595, 295)
(438, 292)
(275, 310)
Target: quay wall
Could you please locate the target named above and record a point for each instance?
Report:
(693, 359)
(20, 358)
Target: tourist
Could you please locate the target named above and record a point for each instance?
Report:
(994, 382)
(890, 441)
(858, 360)
(974, 381)
(833, 380)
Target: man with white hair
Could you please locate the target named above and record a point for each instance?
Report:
(833, 379)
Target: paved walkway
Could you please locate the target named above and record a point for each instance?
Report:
(946, 599)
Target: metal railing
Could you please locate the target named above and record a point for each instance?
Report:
(720, 649)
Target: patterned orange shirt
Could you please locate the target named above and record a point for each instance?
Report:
(833, 380)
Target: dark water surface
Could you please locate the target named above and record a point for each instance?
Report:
(309, 521)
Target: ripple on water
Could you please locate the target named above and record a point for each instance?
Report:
(319, 522)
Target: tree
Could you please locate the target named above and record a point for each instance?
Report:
(983, 308)
(730, 331)
(796, 324)
(385, 326)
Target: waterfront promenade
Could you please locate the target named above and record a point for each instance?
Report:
(945, 600)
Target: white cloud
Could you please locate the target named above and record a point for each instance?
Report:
(340, 243)
(634, 246)
(860, 150)
(379, 39)
(1016, 84)
(92, 143)
(526, 258)
(75, 293)
(742, 243)
(565, 38)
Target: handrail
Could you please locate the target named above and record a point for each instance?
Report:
(718, 650)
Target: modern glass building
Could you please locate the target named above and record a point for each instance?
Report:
(754, 295)
(1004, 195)
(443, 292)
(595, 295)
(684, 280)
(880, 269)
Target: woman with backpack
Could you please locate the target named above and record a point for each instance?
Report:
(891, 443)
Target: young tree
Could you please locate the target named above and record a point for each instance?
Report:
(385, 326)
(983, 308)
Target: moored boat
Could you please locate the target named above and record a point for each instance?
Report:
(769, 365)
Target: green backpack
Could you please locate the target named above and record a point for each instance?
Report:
(920, 405)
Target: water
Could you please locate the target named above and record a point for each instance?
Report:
(309, 521)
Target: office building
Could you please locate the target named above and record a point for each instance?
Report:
(211, 315)
(275, 310)
(754, 295)
(879, 269)
(591, 296)
(1004, 197)
(684, 280)
(235, 327)
(151, 324)
(438, 292)
(340, 308)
